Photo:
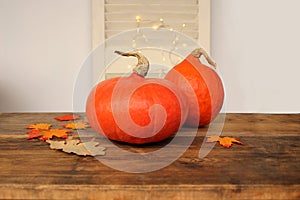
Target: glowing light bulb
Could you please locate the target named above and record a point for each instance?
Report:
(138, 19)
(183, 25)
(155, 27)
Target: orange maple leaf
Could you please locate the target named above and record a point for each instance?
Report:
(223, 141)
(48, 134)
(60, 133)
(67, 117)
(39, 126)
(78, 125)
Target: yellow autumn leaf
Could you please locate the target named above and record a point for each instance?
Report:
(40, 126)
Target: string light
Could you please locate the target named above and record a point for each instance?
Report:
(161, 25)
(139, 36)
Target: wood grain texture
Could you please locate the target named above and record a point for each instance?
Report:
(265, 167)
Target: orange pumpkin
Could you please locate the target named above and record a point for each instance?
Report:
(202, 85)
(136, 109)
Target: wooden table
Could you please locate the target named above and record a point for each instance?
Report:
(267, 166)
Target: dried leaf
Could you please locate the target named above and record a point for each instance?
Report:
(56, 144)
(39, 126)
(76, 126)
(60, 133)
(67, 117)
(75, 146)
(223, 141)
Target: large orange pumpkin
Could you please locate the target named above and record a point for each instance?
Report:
(135, 109)
(202, 85)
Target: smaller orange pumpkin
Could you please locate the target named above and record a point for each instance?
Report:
(135, 109)
(202, 85)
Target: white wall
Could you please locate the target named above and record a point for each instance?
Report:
(42, 45)
(44, 42)
(256, 44)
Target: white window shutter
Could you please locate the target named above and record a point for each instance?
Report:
(179, 15)
(110, 17)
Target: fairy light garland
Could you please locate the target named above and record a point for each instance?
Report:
(139, 36)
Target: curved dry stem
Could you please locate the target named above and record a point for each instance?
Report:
(142, 67)
(200, 51)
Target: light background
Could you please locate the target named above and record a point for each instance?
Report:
(44, 42)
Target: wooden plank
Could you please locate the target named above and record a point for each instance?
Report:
(176, 192)
(265, 167)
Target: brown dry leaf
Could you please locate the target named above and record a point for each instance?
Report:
(75, 146)
(223, 141)
(40, 126)
(77, 125)
(60, 133)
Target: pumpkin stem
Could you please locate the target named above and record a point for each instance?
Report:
(198, 52)
(142, 66)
